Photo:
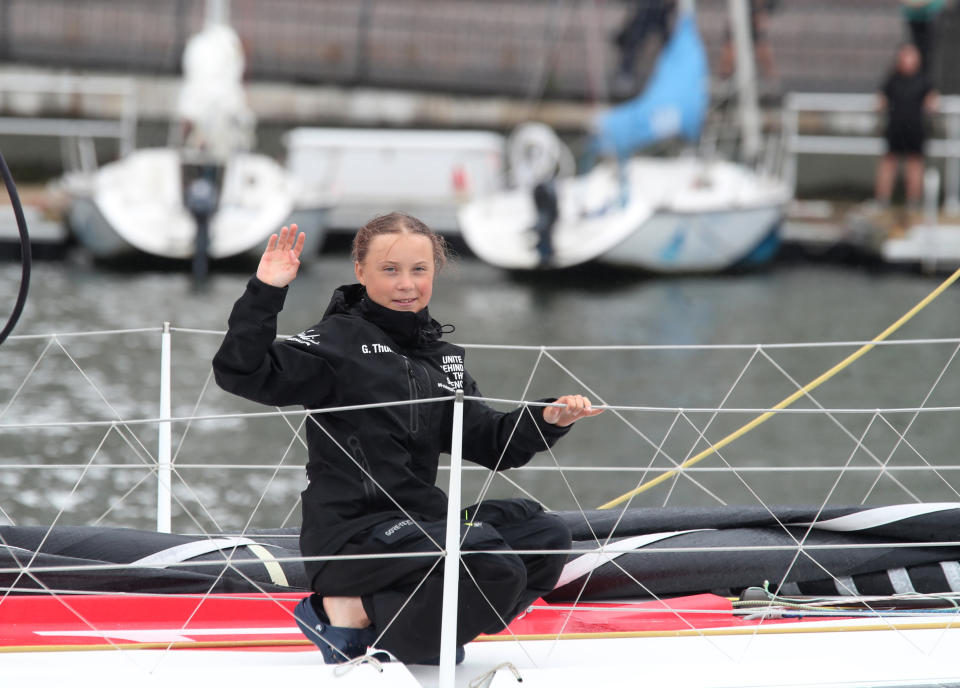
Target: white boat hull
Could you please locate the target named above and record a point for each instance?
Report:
(698, 242)
(680, 215)
(135, 205)
(841, 657)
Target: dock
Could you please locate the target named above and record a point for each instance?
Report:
(42, 210)
(862, 233)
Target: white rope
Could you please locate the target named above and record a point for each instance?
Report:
(910, 468)
(153, 420)
(89, 333)
(348, 666)
(228, 416)
(660, 451)
(859, 441)
(710, 347)
(901, 437)
(876, 417)
(27, 377)
(485, 679)
(607, 549)
(701, 433)
(523, 395)
(537, 347)
(804, 551)
(196, 407)
(368, 475)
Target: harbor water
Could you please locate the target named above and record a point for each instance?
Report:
(78, 430)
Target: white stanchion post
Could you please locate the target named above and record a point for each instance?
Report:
(164, 496)
(951, 201)
(451, 566)
(789, 130)
(931, 212)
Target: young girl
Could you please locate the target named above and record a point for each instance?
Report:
(372, 471)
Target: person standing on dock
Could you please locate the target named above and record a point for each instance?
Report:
(371, 470)
(907, 96)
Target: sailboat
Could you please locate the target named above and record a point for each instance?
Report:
(208, 194)
(662, 214)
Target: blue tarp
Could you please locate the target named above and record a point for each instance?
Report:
(673, 104)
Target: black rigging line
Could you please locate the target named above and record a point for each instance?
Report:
(26, 258)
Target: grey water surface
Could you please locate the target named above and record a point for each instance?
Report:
(247, 472)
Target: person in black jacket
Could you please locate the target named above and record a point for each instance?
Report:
(908, 97)
(372, 471)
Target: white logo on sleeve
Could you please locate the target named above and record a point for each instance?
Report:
(308, 337)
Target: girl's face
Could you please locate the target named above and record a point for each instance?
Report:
(398, 271)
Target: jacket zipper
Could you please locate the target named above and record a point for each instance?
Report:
(414, 396)
(356, 450)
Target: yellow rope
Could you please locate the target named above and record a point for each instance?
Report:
(810, 386)
(773, 629)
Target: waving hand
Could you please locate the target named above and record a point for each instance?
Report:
(281, 259)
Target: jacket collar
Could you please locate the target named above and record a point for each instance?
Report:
(407, 329)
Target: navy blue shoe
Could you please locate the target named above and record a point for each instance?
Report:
(435, 661)
(336, 643)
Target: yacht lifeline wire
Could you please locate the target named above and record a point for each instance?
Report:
(25, 255)
(809, 387)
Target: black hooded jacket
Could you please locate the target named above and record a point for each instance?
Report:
(370, 465)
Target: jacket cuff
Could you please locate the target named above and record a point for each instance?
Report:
(549, 430)
(267, 293)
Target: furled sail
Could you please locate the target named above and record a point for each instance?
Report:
(674, 103)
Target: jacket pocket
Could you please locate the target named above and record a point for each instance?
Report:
(430, 536)
(502, 511)
(363, 466)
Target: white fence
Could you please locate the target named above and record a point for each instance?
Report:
(858, 114)
(31, 97)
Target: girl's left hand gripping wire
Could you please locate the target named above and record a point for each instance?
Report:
(575, 407)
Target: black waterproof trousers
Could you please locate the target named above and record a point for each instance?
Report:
(403, 596)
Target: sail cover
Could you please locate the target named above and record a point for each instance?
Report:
(674, 103)
(617, 554)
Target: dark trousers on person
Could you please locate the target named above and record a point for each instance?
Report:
(403, 596)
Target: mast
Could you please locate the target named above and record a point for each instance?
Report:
(746, 79)
(217, 12)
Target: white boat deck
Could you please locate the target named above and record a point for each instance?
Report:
(924, 657)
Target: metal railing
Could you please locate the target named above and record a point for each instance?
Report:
(451, 552)
(862, 139)
(24, 93)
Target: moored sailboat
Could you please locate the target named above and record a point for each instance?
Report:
(662, 214)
